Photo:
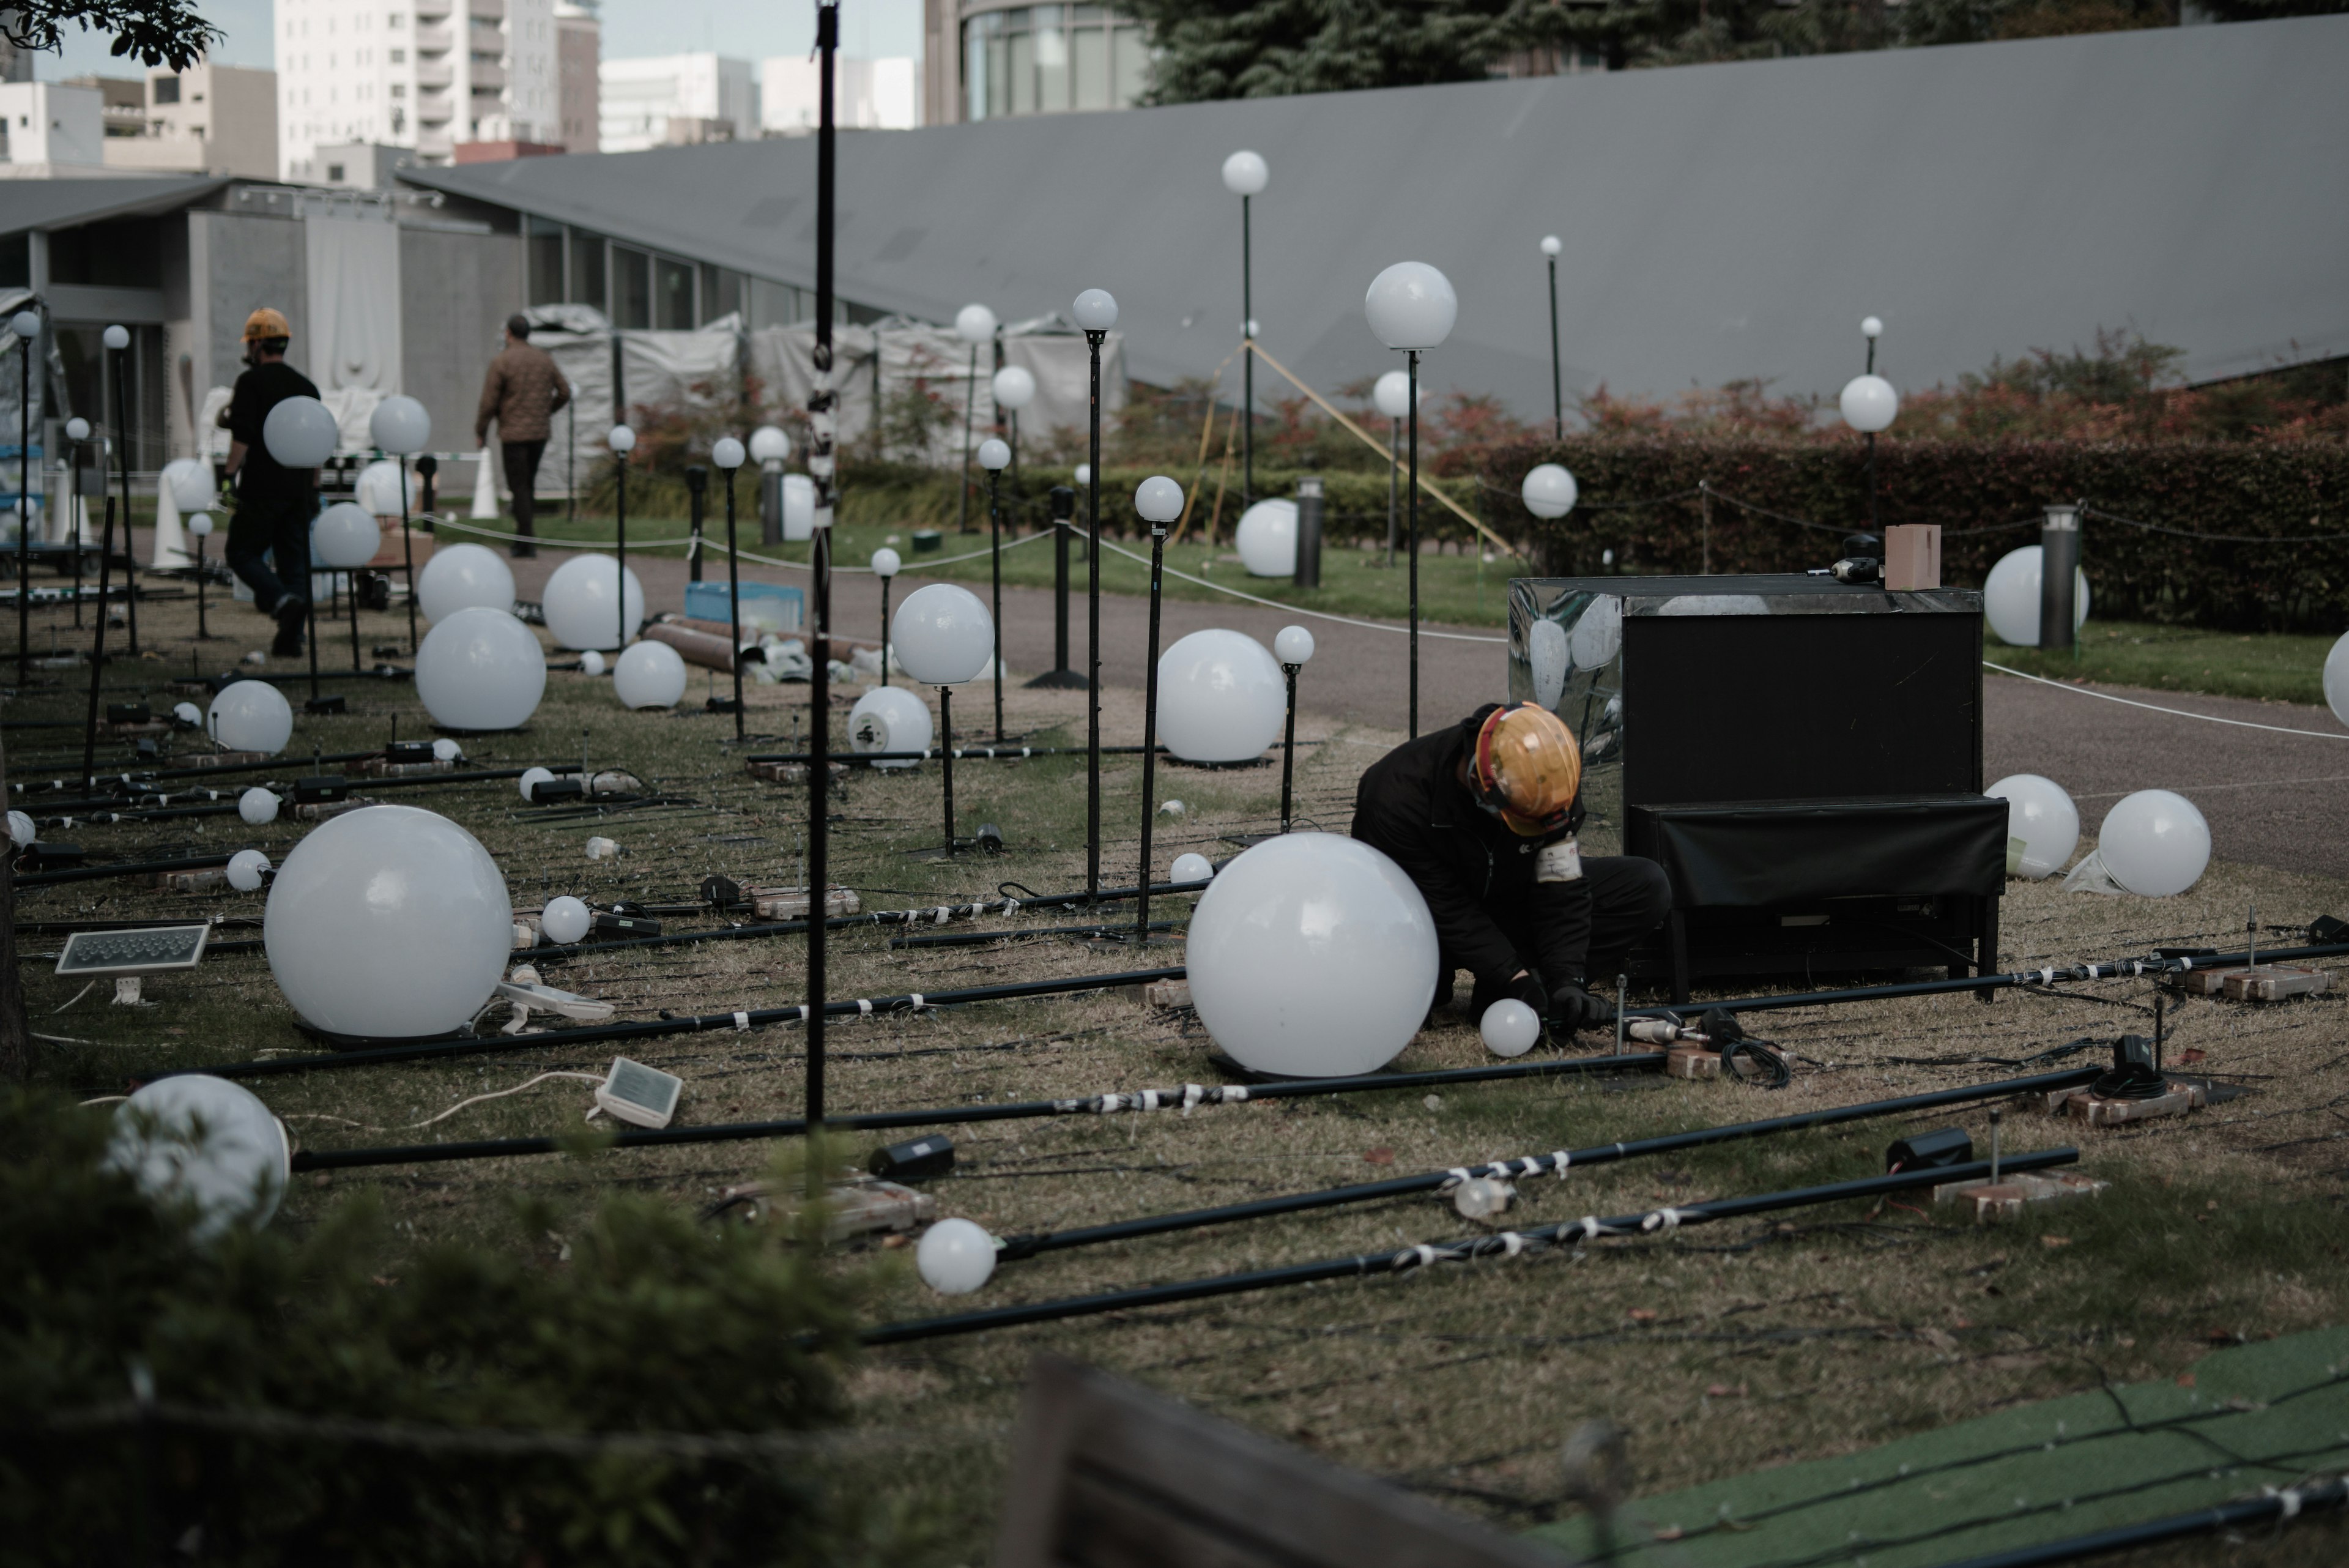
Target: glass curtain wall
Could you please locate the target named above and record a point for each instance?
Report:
(638, 290)
(1047, 60)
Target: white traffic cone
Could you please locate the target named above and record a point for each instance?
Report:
(485, 491)
(170, 539)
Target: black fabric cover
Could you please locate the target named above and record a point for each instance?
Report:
(1751, 854)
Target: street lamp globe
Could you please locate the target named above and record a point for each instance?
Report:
(1095, 310)
(1245, 173)
(994, 454)
(727, 453)
(1159, 499)
(1015, 387)
(1548, 491)
(1392, 394)
(1552, 245)
(1411, 306)
(974, 324)
(1870, 404)
(1871, 328)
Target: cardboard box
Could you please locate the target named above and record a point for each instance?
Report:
(1912, 555)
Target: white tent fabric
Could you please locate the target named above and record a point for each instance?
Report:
(580, 342)
(696, 370)
(354, 305)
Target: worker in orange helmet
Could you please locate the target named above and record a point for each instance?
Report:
(1483, 816)
(269, 537)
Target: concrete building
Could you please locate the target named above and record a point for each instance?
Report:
(993, 59)
(868, 95)
(207, 120)
(579, 57)
(676, 101)
(445, 72)
(51, 130)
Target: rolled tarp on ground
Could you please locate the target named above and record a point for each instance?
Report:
(697, 647)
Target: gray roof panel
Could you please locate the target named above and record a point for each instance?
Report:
(64, 204)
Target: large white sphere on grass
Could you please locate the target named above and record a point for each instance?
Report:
(579, 609)
(2155, 842)
(189, 479)
(649, 675)
(251, 716)
(2010, 598)
(1267, 537)
(388, 922)
(204, 1141)
(889, 719)
(463, 577)
(954, 1257)
(257, 806)
(2336, 679)
(300, 432)
(479, 668)
(1221, 698)
(942, 635)
(1313, 955)
(2043, 825)
(345, 536)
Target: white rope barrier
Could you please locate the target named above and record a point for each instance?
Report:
(2156, 708)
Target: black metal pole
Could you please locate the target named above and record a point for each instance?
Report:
(407, 553)
(994, 551)
(734, 602)
(97, 651)
(1093, 634)
(620, 582)
(969, 406)
(1247, 364)
(74, 510)
(120, 357)
(885, 630)
(823, 421)
(1394, 445)
(24, 515)
(310, 610)
(1288, 745)
(201, 633)
(1873, 526)
(693, 509)
(1557, 375)
(355, 665)
(946, 758)
(1412, 412)
(1150, 734)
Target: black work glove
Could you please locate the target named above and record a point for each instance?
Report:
(1572, 1008)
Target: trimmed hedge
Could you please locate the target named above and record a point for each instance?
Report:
(1977, 493)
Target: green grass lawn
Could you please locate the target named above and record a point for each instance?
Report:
(2277, 667)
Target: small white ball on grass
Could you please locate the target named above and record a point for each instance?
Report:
(1509, 1027)
(257, 806)
(954, 1257)
(531, 778)
(1191, 867)
(564, 921)
(247, 870)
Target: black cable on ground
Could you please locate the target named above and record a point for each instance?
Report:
(1508, 1243)
(2276, 1505)
(1143, 1101)
(125, 869)
(140, 779)
(1021, 934)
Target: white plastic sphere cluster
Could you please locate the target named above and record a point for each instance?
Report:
(479, 668)
(649, 675)
(251, 716)
(580, 611)
(463, 577)
(346, 536)
(1221, 697)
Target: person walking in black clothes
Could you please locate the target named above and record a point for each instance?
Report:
(275, 504)
(522, 392)
(1482, 817)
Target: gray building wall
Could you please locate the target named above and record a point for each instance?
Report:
(237, 263)
(456, 292)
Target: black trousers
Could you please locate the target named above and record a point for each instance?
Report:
(1629, 897)
(522, 478)
(282, 534)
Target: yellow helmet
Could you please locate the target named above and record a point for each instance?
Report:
(266, 323)
(1527, 769)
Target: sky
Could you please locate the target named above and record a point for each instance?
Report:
(869, 29)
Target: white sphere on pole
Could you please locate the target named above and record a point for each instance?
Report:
(1870, 404)
(382, 488)
(886, 563)
(769, 444)
(994, 455)
(251, 716)
(345, 536)
(201, 524)
(1158, 499)
(565, 920)
(943, 635)
(1015, 387)
(2336, 679)
(2010, 598)
(1294, 645)
(1221, 697)
(578, 601)
(974, 324)
(1267, 538)
(1411, 306)
(1551, 244)
(388, 922)
(1871, 328)
(727, 453)
(649, 675)
(799, 508)
(2155, 842)
(117, 337)
(1084, 475)
(78, 430)
(1312, 954)
(463, 577)
(1391, 394)
(1189, 868)
(300, 432)
(621, 440)
(1245, 173)
(25, 324)
(1095, 310)
(954, 1257)
(189, 479)
(2043, 825)
(256, 806)
(889, 719)
(1509, 1027)
(1548, 491)
(247, 870)
(479, 668)
(400, 426)
(202, 1141)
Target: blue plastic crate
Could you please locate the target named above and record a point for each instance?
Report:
(783, 607)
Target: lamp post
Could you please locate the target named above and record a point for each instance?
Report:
(1551, 245)
(1159, 500)
(823, 424)
(116, 339)
(1294, 649)
(27, 326)
(771, 448)
(993, 456)
(943, 636)
(1101, 316)
(886, 565)
(1391, 394)
(1411, 307)
(300, 435)
(200, 527)
(622, 441)
(729, 455)
(974, 324)
(1246, 175)
(1870, 404)
(77, 435)
(1015, 389)
(400, 428)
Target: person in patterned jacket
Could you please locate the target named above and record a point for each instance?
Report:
(520, 392)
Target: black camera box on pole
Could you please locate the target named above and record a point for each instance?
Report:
(1802, 756)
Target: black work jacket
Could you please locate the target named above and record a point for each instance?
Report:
(1475, 873)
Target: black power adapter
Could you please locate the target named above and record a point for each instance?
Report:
(917, 1160)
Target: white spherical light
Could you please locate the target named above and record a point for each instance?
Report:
(1159, 499)
(256, 806)
(621, 440)
(380, 488)
(190, 480)
(578, 603)
(388, 922)
(251, 716)
(889, 719)
(531, 778)
(22, 829)
(445, 749)
(1548, 491)
(300, 432)
(1095, 310)
(564, 921)
(2336, 679)
(2010, 598)
(769, 444)
(1313, 955)
(974, 324)
(1871, 326)
(1509, 1027)
(994, 455)
(942, 635)
(247, 869)
(1191, 866)
(1411, 306)
(400, 426)
(1549, 655)
(116, 337)
(479, 668)
(205, 1142)
(954, 1257)
(1870, 404)
(345, 536)
(463, 577)
(649, 675)
(592, 663)
(1294, 645)
(2043, 825)
(799, 508)
(1551, 244)
(1084, 475)
(1221, 698)
(1392, 393)
(727, 453)
(885, 563)
(200, 526)
(1015, 387)
(78, 430)
(1266, 536)
(1245, 173)
(2155, 842)
(25, 324)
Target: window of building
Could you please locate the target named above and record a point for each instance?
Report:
(400, 57)
(543, 254)
(632, 288)
(673, 295)
(167, 89)
(16, 259)
(1042, 59)
(335, 175)
(722, 292)
(125, 253)
(586, 283)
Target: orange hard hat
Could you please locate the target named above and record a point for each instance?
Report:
(1527, 769)
(266, 323)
